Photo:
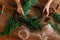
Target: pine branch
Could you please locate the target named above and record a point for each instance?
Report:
(56, 17)
(28, 5)
(11, 26)
(33, 23)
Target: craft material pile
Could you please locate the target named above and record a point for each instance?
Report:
(29, 19)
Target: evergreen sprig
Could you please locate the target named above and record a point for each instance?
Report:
(56, 17)
(33, 23)
(28, 5)
(11, 26)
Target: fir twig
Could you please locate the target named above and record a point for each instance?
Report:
(11, 26)
(56, 17)
(33, 23)
(28, 5)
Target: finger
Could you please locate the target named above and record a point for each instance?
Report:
(20, 11)
(47, 12)
(44, 9)
(2, 9)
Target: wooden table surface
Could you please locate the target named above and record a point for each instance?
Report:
(8, 38)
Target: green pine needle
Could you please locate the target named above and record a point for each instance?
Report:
(28, 5)
(33, 23)
(56, 17)
(11, 26)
